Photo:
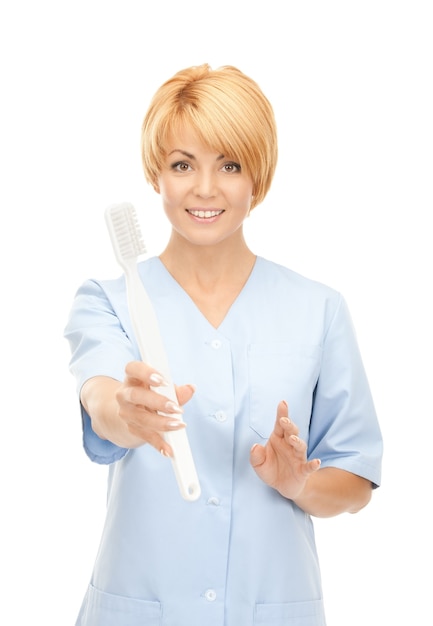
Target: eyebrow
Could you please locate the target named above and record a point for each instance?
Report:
(189, 155)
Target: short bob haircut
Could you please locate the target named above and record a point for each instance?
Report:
(228, 112)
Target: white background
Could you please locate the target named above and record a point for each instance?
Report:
(351, 84)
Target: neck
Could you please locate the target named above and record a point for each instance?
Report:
(208, 266)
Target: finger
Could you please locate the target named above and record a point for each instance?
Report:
(283, 424)
(282, 413)
(151, 428)
(257, 455)
(139, 372)
(298, 444)
(288, 428)
(143, 398)
(301, 448)
(169, 424)
(313, 465)
(148, 419)
(158, 442)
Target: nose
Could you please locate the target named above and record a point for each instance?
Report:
(205, 184)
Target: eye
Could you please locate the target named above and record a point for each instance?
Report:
(231, 167)
(181, 166)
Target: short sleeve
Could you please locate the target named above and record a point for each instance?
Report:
(344, 430)
(100, 346)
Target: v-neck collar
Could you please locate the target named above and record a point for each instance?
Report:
(174, 284)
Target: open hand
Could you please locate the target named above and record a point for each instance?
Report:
(282, 462)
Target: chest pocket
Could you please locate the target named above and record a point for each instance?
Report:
(104, 608)
(294, 613)
(282, 371)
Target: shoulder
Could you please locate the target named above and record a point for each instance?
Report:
(115, 288)
(291, 283)
(289, 302)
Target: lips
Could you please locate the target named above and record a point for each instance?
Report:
(204, 214)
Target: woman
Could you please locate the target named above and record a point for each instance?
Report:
(272, 388)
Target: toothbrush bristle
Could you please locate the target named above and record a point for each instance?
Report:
(127, 230)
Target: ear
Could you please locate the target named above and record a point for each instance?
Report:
(156, 188)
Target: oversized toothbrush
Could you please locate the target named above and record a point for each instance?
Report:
(128, 245)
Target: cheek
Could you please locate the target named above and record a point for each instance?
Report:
(244, 196)
(166, 193)
(172, 190)
(246, 189)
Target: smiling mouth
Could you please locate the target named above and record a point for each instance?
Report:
(204, 214)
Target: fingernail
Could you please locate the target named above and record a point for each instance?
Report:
(176, 424)
(285, 420)
(157, 379)
(163, 452)
(172, 407)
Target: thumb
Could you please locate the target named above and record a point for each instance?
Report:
(184, 393)
(257, 455)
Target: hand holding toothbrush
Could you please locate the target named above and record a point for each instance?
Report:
(127, 413)
(147, 413)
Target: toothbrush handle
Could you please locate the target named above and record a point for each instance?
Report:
(146, 329)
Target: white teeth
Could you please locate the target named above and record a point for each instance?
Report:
(205, 214)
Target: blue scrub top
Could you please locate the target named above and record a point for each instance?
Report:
(241, 554)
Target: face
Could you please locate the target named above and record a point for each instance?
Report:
(205, 194)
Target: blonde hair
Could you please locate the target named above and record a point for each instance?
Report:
(228, 112)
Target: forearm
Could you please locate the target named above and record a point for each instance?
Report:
(98, 397)
(331, 491)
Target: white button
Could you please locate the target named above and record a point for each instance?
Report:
(216, 344)
(220, 416)
(210, 595)
(213, 500)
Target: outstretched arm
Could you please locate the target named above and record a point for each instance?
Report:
(322, 492)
